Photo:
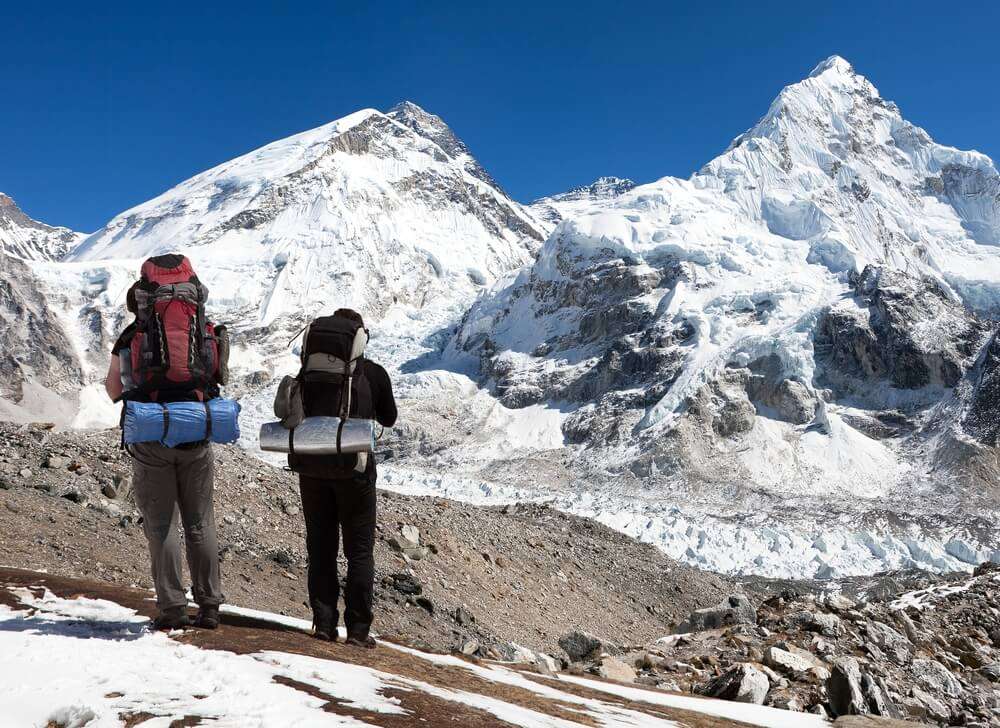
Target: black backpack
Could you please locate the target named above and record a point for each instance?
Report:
(332, 383)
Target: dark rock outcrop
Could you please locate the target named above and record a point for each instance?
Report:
(982, 420)
(906, 330)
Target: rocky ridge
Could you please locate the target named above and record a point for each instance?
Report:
(28, 239)
(930, 656)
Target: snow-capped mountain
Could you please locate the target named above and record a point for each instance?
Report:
(385, 213)
(369, 210)
(22, 237)
(792, 339)
(781, 365)
(554, 208)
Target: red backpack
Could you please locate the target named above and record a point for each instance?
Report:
(175, 353)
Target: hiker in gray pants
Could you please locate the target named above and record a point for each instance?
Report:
(174, 486)
(178, 482)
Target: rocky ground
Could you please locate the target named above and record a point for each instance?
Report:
(449, 575)
(930, 655)
(532, 584)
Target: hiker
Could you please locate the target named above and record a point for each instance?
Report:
(338, 491)
(173, 483)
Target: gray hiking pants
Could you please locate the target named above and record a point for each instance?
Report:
(173, 487)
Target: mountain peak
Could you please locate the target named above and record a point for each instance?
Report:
(431, 126)
(601, 188)
(23, 237)
(406, 106)
(834, 63)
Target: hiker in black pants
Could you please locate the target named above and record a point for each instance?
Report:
(340, 489)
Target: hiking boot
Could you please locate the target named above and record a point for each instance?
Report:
(325, 632)
(208, 617)
(172, 618)
(367, 641)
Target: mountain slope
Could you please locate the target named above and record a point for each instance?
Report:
(22, 237)
(364, 211)
(385, 213)
(788, 340)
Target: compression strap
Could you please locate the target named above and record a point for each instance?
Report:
(166, 423)
(208, 422)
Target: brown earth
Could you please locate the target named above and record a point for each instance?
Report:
(523, 574)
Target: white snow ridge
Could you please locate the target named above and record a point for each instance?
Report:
(782, 365)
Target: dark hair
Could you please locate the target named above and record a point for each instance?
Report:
(130, 302)
(351, 315)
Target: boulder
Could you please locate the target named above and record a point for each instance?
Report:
(895, 645)
(991, 672)
(55, 462)
(844, 688)
(742, 683)
(828, 625)
(839, 603)
(464, 617)
(735, 609)
(411, 534)
(406, 583)
(928, 706)
(853, 692)
(614, 669)
(877, 694)
(407, 539)
(579, 645)
(547, 664)
(935, 678)
(787, 662)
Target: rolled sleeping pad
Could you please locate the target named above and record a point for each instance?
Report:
(176, 423)
(319, 436)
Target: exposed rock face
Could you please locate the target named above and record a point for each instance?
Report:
(22, 237)
(598, 330)
(982, 420)
(724, 403)
(33, 345)
(787, 399)
(908, 330)
(434, 128)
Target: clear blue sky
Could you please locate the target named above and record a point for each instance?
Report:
(105, 106)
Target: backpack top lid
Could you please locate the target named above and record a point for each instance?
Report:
(167, 269)
(336, 337)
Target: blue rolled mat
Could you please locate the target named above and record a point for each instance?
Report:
(184, 422)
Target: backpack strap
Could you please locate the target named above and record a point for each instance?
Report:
(208, 421)
(166, 423)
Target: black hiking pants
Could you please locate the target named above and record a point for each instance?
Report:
(329, 507)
